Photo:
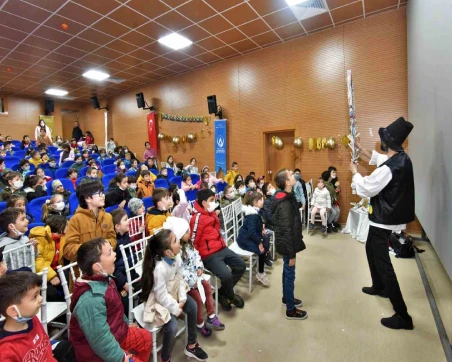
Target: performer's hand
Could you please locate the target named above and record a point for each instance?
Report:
(353, 168)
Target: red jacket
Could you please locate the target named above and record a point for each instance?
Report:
(27, 346)
(208, 238)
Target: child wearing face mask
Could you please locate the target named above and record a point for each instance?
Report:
(99, 329)
(53, 166)
(54, 206)
(50, 247)
(165, 292)
(320, 202)
(187, 184)
(102, 155)
(252, 233)
(14, 223)
(15, 184)
(24, 167)
(21, 333)
(118, 193)
(120, 166)
(192, 271)
(241, 189)
(250, 183)
(132, 180)
(158, 213)
(78, 164)
(181, 208)
(229, 195)
(216, 256)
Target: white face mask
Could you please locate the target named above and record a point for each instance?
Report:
(252, 185)
(59, 206)
(122, 167)
(133, 187)
(242, 191)
(18, 184)
(103, 272)
(52, 164)
(231, 195)
(19, 318)
(272, 191)
(212, 206)
(44, 187)
(17, 232)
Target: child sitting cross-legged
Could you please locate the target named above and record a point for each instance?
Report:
(165, 293)
(22, 337)
(252, 235)
(192, 272)
(99, 330)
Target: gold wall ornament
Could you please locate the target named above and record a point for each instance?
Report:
(331, 143)
(176, 140)
(311, 143)
(319, 143)
(345, 140)
(277, 143)
(161, 136)
(323, 143)
(298, 142)
(191, 138)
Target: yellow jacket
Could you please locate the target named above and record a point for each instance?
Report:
(46, 248)
(155, 218)
(230, 176)
(35, 162)
(84, 226)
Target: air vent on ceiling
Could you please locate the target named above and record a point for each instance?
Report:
(115, 80)
(309, 9)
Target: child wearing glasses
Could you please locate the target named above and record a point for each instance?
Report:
(89, 221)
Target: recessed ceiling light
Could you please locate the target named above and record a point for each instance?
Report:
(56, 92)
(175, 41)
(96, 75)
(295, 2)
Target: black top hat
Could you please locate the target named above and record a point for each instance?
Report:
(396, 133)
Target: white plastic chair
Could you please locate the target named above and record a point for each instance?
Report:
(229, 224)
(271, 233)
(64, 283)
(252, 259)
(50, 310)
(310, 190)
(21, 256)
(134, 225)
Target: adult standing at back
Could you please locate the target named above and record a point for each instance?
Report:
(42, 124)
(391, 189)
(288, 239)
(77, 132)
(149, 152)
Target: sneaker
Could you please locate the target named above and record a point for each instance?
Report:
(263, 279)
(398, 322)
(237, 301)
(296, 314)
(373, 291)
(311, 227)
(324, 231)
(196, 352)
(205, 332)
(215, 324)
(223, 302)
(268, 261)
(329, 229)
(297, 302)
(332, 227)
(336, 224)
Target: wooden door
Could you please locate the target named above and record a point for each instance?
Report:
(278, 159)
(68, 117)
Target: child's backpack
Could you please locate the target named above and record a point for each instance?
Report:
(403, 246)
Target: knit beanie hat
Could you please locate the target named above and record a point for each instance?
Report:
(177, 225)
(56, 183)
(134, 204)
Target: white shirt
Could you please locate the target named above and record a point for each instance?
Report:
(370, 186)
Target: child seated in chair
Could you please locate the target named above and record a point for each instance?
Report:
(320, 202)
(157, 214)
(14, 187)
(15, 224)
(136, 207)
(99, 330)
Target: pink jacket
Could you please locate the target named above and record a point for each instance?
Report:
(182, 210)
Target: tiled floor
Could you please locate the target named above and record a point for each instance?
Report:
(343, 323)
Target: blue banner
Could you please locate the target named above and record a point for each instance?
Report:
(220, 145)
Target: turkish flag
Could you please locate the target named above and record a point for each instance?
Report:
(152, 130)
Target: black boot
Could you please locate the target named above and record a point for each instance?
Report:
(398, 322)
(373, 291)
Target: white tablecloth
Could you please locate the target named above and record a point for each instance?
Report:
(357, 224)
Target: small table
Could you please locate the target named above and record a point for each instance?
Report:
(357, 224)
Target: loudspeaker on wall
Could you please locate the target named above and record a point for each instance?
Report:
(95, 102)
(212, 104)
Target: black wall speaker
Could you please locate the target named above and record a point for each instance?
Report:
(95, 102)
(212, 104)
(140, 100)
(49, 107)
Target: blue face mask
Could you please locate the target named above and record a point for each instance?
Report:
(21, 319)
(297, 177)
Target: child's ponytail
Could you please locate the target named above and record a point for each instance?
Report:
(155, 249)
(46, 207)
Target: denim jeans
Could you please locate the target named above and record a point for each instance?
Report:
(170, 328)
(288, 284)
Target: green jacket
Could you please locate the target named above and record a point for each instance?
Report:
(333, 194)
(7, 192)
